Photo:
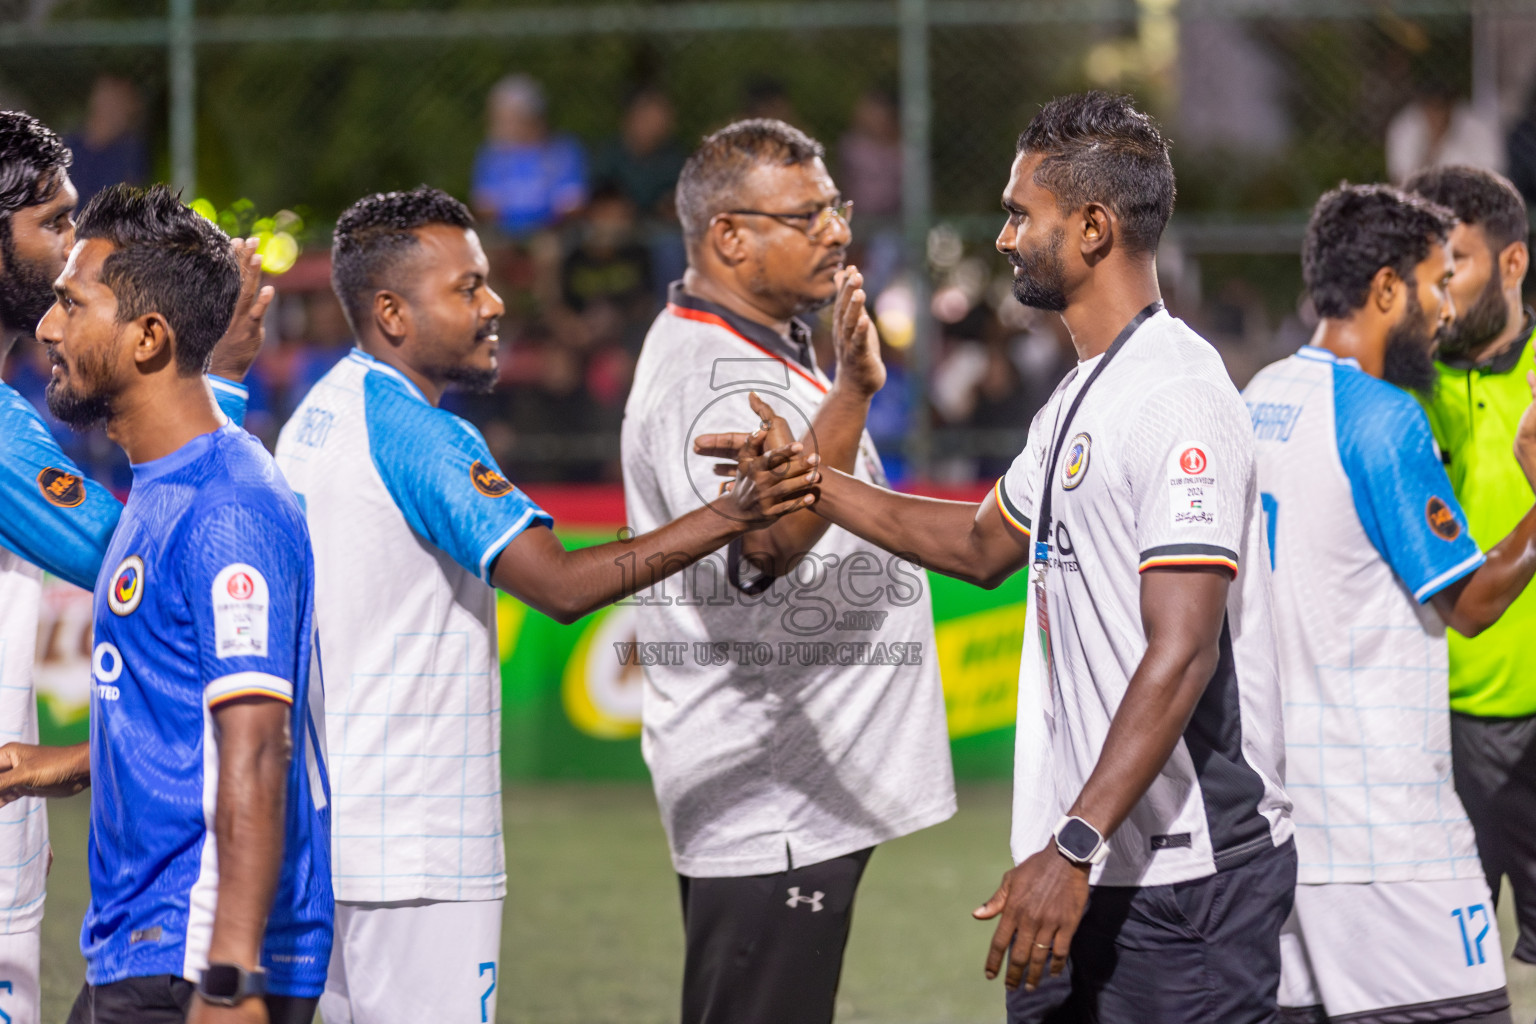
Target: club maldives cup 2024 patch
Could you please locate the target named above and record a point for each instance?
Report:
(1191, 485)
(240, 607)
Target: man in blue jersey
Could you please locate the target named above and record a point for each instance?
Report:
(51, 519)
(210, 866)
(1372, 561)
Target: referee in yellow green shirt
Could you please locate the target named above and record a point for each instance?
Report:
(1482, 392)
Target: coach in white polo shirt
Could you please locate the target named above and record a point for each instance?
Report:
(1149, 709)
(413, 526)
(805, 738)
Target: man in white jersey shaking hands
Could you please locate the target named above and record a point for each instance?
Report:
(413, 525)
(775, 776)
(1372, 561)
(1149, 712)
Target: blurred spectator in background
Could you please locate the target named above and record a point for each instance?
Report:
(1438, 129)
(642, 162)
(869, 155)
(109, 148)
(869, 159)
(1522, 151)
(606, 277)
(525, 179)
(890, 414)
(766, 96)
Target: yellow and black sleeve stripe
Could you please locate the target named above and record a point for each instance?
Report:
(1170, 555)
(1010, 512)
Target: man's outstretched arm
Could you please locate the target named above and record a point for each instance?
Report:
(1041, 901)
(1478, 600)
(969, 542)
(27, 769)
(565, 585)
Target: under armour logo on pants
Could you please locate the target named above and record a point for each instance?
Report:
(794, 897)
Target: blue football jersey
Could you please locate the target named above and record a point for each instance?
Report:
(206, 595)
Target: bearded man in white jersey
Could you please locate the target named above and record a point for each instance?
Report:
(1152, 837)
(1372, 561)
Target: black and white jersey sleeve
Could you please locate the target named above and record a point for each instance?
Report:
(1189, 465)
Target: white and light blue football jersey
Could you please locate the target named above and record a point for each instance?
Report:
(1363, 529)
(408, 511)
(205, 596)
(51, 519)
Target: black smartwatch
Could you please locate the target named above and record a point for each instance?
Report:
(1080, 842)
(231, 984)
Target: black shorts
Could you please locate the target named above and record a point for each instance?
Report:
(1201, 952)
(768, 949)
(164, 999)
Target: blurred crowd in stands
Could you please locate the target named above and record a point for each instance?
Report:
(583, 241)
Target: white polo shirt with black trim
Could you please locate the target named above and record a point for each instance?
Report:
(787, 720)
(1157, 470)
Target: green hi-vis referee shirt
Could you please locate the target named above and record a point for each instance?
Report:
(1474, 414)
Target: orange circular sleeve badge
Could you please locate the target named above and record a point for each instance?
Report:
(60, 488)
(487, 481)
(1442, 520)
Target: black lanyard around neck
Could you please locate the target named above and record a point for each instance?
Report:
(1043, 520)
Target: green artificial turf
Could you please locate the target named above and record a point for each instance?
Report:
(592, 932)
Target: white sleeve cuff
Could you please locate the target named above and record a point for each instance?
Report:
(495, 547)
(228, 386)
(248, 684)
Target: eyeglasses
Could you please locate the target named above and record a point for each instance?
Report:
(814, 224)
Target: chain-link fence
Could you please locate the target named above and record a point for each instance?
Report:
(294, 105)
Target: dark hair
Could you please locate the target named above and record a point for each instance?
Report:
(374, 234)
(1355, 231)
(1099, 148)
(168, 260)
(1478, 198)
(710, 179)
(32, 162)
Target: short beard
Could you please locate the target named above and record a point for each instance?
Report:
(26, 289)
(1043, 283)
(471, 379)
(797, 303)
(1409, 360)
(1484, 321)
(83, 411)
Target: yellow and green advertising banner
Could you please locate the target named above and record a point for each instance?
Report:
(571, 704)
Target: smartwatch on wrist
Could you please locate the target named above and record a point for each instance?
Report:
(1080, 842)
(231, 984)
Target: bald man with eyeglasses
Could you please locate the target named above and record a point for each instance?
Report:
(793, 717)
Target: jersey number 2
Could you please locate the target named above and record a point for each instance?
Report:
(484, 1013)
